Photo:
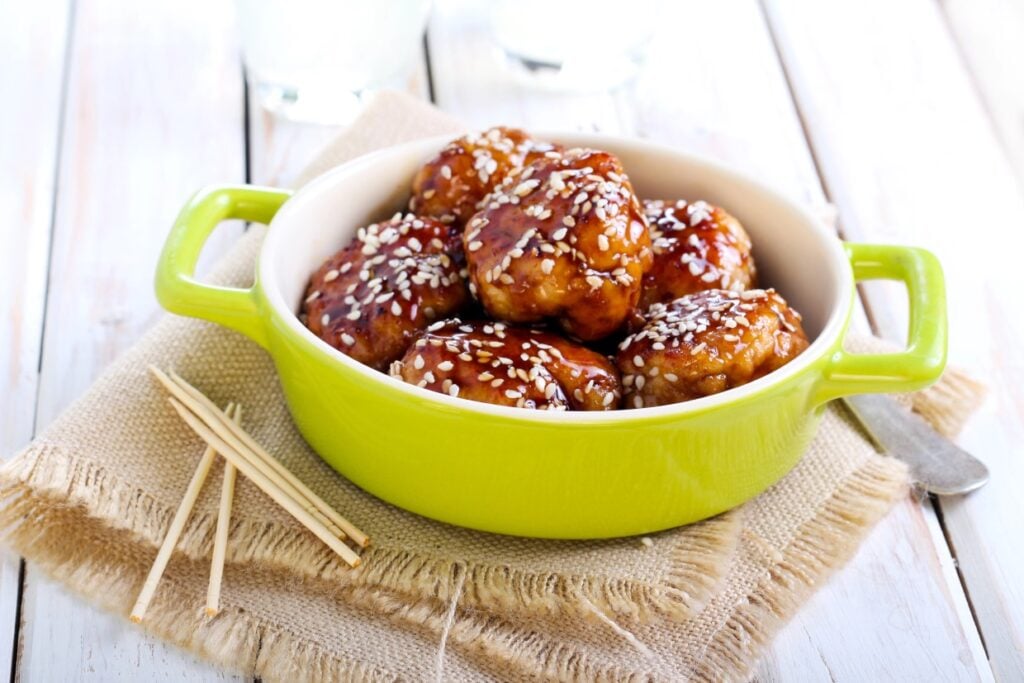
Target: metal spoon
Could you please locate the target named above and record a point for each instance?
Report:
(937, 464)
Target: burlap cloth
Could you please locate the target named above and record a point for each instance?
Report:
(91, 499)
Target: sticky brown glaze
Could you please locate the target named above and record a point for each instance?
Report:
(450, 186)
(707, 342)
(492, 362)
(696, 246)
(374, 296)
(564, 238)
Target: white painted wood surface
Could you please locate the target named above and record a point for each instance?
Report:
(34, 39)
(155, 110)
(990, 35)
(911, 156)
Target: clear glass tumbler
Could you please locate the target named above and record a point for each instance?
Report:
(313, 60)
(575, 45)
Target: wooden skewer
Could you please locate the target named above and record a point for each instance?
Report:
(220, 539)
(212, 415)
(163, 555)
(344, 525)
(265, 483)
(260, 458)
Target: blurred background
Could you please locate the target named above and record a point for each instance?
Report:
(903, 118)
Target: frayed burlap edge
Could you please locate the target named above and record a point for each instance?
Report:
(700, 558)
(90, 569)
(942, 404)
(821, 546)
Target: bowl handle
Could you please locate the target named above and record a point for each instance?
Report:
(176, 287)
(922, 362)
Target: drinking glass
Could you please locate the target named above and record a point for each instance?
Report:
(576, 45)
(314, 60)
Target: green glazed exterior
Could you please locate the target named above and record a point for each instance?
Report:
(628, 472)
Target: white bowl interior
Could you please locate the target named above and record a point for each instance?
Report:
(794, 252)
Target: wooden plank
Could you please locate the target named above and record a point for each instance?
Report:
(990, 34)
(846, 632)
(734, 105)
(33, 39)
(910, 156)
(154, 111)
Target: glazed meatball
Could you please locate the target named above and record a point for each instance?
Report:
(707, 342)
(451, 185)
(696, 246)
(492, 362)
(564, 238)
(374, 296)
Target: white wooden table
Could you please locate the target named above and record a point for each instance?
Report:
(907, 115)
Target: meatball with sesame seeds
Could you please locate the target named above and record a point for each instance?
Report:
(705, 343)
(696, 246)
(451, 185)
(373, 297)
(492, 362)
(565, 239)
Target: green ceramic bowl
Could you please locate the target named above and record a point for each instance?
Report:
(549, 474)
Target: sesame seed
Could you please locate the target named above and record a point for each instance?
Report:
(446, 172)
(638, 361)
(594, 281)
(602, 243)
(354, 314)
(453, 390)
(559, 234)
(445, 365)
(525, 188)
(348, 339)
(511, 393)
(313, 296)
(698, 348)
(325, 319)
(568, 221)
(396, 308)
(547, 265)
(473, 246)
(330, 275)
(608, 398)
(671, 376)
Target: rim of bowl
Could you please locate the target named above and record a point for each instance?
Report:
(830, 332)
